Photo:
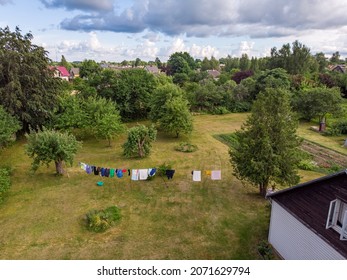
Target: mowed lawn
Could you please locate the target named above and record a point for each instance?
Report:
(43, 215)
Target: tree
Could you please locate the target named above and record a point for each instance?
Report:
(245, 63)
(8, 127)
(170, 110)
(267, 150)
(28, 90)
(335, 58)
(180, 63)
(102, 118)
(178, 118)
(131, 90)
(89, 68)
(63, 62)
(46, 146)
(139, 141)
(318, 102)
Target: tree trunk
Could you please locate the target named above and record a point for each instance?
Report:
(322, 124)
(59, 167)
(263, 189)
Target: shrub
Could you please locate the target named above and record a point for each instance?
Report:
(220, 110)
(307, 165)
(186, 147)
(163, 167)
(337, 128)
(5, 182)
(101, 220)
(265, 250)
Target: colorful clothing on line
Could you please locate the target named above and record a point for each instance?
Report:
(135, 175)
(119, 173)
(216, 175)
(169, 173)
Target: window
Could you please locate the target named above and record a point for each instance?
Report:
(337, 218)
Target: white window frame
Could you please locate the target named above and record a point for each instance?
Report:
(333, 214)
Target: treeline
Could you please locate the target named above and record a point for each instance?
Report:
(32, 97)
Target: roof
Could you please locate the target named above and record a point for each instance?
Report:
(152, 69)
(213, 73)
(309, 202)
(339, 68)
(75, 71)
(63, 71)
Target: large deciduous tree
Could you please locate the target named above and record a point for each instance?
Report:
(27, 87)
(318, 102)
(49, 145)
(170, 110)
(267, 150)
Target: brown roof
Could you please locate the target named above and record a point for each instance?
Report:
(309, 203)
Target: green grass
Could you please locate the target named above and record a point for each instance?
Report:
(42, 216)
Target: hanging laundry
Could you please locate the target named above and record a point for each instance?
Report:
(151, 171)
(128, 172)
(143, 174)
(119, 173)
(135, 175)
(196, 175)
(169, 173)
(88, 169)
(208, 172)
(216, 174)
(124, 170)
(83, 166)
(102, 171)
(107, 172)
(111, 172)
(96, 170)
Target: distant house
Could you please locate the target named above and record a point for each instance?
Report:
(74, 73)
(214, 74)
(61, 72)
(341, 68)
(152, 69)
(309, 221)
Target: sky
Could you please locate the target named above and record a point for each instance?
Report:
(117, 30)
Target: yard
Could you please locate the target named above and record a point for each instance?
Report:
(43, 216)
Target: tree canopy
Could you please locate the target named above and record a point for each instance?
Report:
(27, 87)
(49, 145)
(267, 150)
(8, 127)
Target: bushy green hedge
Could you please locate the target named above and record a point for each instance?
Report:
(5, 182)
(101, 220)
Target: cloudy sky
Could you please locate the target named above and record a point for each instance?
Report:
(116, 30)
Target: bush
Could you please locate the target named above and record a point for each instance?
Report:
(5, 182)
(307, 165)
(220, 110)
(101, 220)
(186, 147)
(265, 250)
(338, 128)
(163, 167)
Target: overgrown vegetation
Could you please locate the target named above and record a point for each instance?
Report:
(101, 220)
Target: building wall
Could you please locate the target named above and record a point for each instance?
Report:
(294, 241)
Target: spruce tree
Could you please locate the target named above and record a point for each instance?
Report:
(267, 150)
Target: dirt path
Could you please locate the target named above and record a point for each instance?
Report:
(323, 156)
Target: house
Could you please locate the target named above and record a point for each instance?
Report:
(61, 72)
(214, 74)
(309, 221)
(74, 73)
(152, 69)
(341, 68)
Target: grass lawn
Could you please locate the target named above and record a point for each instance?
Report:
(43, 215)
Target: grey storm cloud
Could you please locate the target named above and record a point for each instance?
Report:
(203, 18)
(84, 5)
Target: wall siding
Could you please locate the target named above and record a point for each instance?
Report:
(294, 241)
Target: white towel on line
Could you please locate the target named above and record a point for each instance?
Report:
(196, 176)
